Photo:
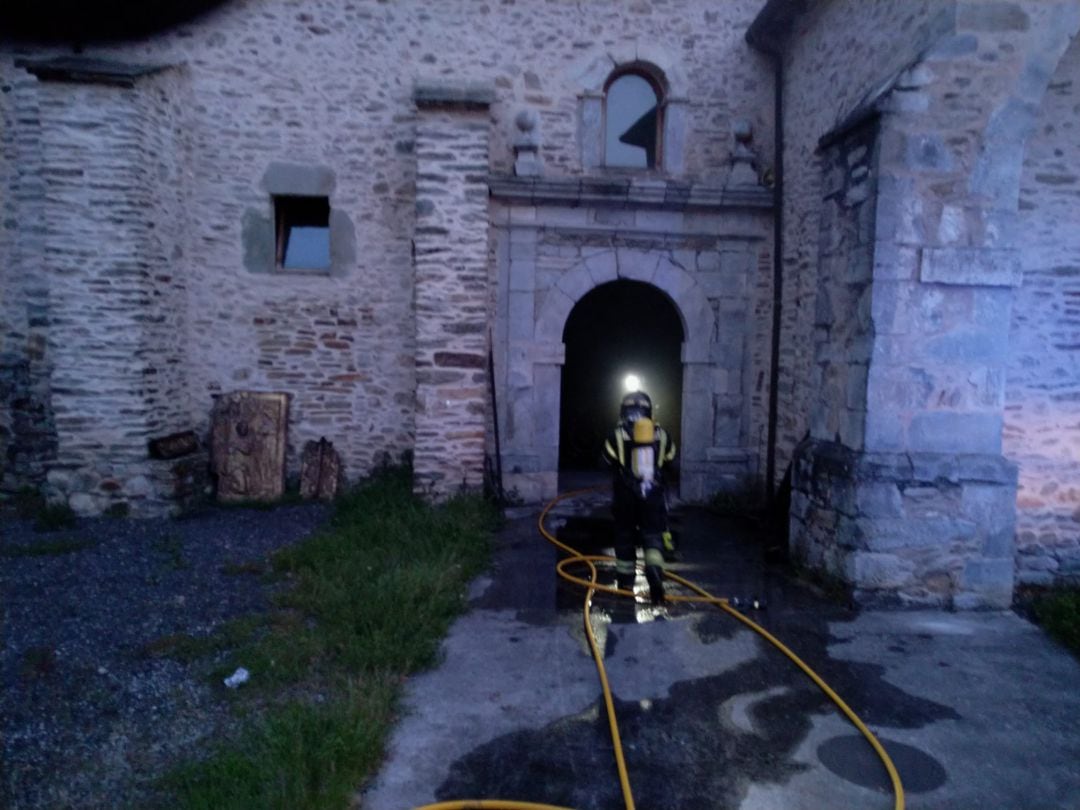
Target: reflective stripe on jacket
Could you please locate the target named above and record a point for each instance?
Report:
(615, 447)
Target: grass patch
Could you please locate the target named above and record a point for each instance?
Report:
(367, 602)
(63, 545)
(300, 756)
(53, 517)
(1059, 612)
(253, 567)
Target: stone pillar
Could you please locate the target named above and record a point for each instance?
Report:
(901, 489)
(112, 149)
(452, 288)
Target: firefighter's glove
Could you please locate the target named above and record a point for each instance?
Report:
(669, 542)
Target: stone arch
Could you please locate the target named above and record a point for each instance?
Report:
(592, 76)
(612, 264)
(698, 323)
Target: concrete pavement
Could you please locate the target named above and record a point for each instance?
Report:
(975, 709)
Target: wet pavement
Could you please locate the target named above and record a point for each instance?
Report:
(975, 709)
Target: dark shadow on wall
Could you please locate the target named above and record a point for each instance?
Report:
(81, 21)
(616, 329)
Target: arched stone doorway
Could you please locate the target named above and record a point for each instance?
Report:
(617, 328)
(702, 259)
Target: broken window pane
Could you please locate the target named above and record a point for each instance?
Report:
(303, 232)
(631, 122)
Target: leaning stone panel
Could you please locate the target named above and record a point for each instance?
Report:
(248, 440)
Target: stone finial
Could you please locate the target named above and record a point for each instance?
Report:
(744, 159)
(526, 144)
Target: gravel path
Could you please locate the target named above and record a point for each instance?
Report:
(87, 718)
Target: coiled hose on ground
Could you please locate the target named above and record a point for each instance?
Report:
(591, 586)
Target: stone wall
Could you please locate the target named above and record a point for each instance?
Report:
(328, 87)
(1042, 390)
(27, 433)
(112, 155)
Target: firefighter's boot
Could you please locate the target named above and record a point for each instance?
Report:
(655, 576)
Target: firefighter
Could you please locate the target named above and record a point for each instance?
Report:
(639, 452)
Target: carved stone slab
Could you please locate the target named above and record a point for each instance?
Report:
(248, 446)
(320, 470)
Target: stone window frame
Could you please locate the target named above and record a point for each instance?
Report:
(260, 237)
(593, 80)
(656, 82)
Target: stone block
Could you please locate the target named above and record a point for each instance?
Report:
(879, 500)
(971, 266)
(575, 284)
(893, 262)
(949, 48)
(84, 504)
(955, 432)
(994, 16)
(892, 534)
(636, 265)
(875, 571)
(675, 126)
(927, 152)
(521, 315)
(990, 505)
(707, 261)
(522, 247)
(884, 429)
(986, 583)
(299, 180)
(659, 221)
(523, 273)
(602, 267)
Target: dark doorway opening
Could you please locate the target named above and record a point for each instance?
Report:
(617, 329)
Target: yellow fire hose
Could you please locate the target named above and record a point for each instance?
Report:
(592, 586)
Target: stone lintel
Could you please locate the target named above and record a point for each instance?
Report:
(619, 192)
(88, 70)
(453, 96)
(297, 179)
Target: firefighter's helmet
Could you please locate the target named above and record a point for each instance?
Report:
(635, 405)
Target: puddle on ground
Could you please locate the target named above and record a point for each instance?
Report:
(850, 757)
(679, 750)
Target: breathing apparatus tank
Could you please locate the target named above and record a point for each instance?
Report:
(643, 457)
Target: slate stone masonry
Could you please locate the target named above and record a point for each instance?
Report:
(450, 261)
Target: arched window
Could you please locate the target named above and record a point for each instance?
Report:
(632, 125)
